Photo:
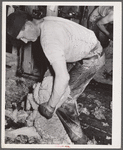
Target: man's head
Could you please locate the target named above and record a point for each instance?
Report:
(21, 26)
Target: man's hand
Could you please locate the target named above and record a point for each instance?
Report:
(46, 110)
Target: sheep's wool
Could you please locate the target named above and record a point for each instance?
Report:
(43, 91)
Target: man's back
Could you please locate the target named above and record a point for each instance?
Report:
(63, 38)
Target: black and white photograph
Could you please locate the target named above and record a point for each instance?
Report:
(61, 74)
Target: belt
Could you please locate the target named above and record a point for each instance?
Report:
(93, 57)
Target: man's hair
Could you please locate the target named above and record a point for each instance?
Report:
(16, 21)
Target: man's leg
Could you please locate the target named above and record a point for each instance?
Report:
(80, 76)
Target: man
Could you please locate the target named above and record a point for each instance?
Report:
(63, 42)
(101, 19)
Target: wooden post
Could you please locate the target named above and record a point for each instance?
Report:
(52, 11)
(28, 60)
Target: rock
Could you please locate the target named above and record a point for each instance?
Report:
(29, 131)
(22, 139)
(99, 113)
(98, 103)
(52, 129)
(92, 142)
(16, 115)
(82, 109)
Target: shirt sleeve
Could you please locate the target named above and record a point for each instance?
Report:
(52, 44)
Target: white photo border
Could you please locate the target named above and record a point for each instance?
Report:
(117, 64)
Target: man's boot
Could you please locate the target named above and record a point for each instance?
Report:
(68, 115)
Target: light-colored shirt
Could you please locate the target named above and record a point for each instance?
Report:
(105, 10)
(62, 39)
(100, 12)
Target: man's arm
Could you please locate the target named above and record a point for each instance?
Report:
(103, 21)
(60, 83)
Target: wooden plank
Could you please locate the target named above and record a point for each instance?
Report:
(28, 60)
(99, 136)
(94, 123)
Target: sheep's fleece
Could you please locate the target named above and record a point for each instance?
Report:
(42, 91)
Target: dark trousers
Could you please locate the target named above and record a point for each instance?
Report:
(81, 74)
